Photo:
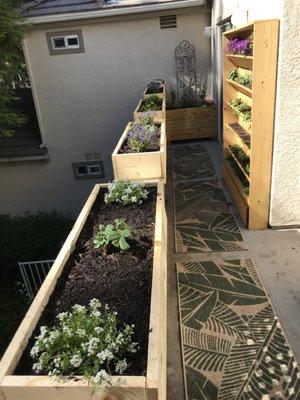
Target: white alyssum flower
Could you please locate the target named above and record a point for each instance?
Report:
(121, 366)
(34, 351)
(98, 329)
(96, 313)
(101, 377)
(81, 332)
(92, 346)
(62, 316)
(67, 330)
(95, 303)
(79, 308)
(37, 367)
(105, 355)
(76, 361)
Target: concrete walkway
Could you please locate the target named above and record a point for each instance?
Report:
(276, 255)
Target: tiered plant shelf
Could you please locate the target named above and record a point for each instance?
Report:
(251, 131)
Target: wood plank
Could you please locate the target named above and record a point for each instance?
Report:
(192, 123)
(44, 388)
(238, 163)
(263, 112)
(245, 62)
(238, 136)
(244, 89)
(13, 353)
(156, 366)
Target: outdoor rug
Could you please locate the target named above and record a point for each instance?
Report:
(192, 161)
(203, 219)
(232, 343)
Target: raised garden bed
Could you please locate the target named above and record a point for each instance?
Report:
(133, 283)
(140, 165)
(191, 123)
(144, 107)
(159, 90)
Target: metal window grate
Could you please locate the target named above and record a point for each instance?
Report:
(34, 274)
(168, 21)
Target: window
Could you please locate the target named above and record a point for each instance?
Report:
(168, 21)
(88, 170)
(66, 42)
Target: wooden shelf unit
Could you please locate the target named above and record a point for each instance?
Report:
(256, 139)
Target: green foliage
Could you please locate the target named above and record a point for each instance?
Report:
(240, 107)
(12, 64)
(239, 174)
(115, 234)
(24, 238)
(245, 80)
(125, 192)
(241, 156)
(85, 341)
(151, 103)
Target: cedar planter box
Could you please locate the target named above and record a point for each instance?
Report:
(191, 123)
(161, 93)
(143, 165)
(158, 116)
(152, 386)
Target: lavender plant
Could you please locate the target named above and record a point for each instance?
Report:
(143, 135)
(241, 46)
(125, 192)
(85, 341)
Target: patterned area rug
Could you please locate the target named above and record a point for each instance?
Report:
(192, 162)
(203, 219)
(232, 343)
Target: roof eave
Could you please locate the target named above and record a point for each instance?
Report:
(114, 11)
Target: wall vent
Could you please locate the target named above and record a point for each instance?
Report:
(168, 21)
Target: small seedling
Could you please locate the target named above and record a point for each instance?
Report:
(115, 234)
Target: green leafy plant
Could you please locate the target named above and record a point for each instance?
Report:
(241, 157)
(125, 192)
(115, 234)
(244, 181)
(85, 341)
(245, 80)
(151, 103)
(240, 107)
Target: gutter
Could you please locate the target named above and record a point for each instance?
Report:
(43, 19)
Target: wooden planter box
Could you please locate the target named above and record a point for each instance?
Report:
(144, 165)
(152, 386)
(191, 123)
(159, 116)
(162, 94)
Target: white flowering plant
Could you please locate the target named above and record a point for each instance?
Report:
(86, 342)
(125, 192)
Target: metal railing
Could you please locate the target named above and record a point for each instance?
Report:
(34, 274)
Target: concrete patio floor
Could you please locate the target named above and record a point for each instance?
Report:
(276, 255)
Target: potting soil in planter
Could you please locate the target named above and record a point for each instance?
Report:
(153, 146)
(121, 280)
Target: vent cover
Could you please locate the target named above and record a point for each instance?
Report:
(168, 21)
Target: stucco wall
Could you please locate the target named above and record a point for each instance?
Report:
(285, 189)
(86, 99)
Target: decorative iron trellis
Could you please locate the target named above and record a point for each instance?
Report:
(185, 59)
(34, 274)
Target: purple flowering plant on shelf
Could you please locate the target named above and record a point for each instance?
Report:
(143, 135)
(240, 46)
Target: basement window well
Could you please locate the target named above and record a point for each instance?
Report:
(66, 42)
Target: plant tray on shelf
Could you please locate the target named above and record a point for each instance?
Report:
(158, 115)
(133, 283)
(142, 165)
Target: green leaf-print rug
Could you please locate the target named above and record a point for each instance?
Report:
(203, 219)
(232, 343)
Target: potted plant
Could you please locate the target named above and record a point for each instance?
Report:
(191, 119)
(77, 340)
(154, 105)
(141, 151)
(157, 87)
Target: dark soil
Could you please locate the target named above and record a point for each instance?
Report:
(121, 280)
(154, 91)
(154, 146)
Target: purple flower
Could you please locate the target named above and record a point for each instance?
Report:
(240, 46)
